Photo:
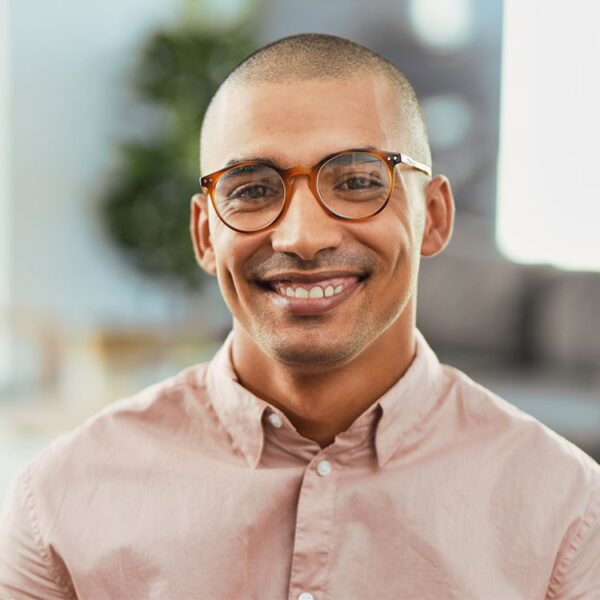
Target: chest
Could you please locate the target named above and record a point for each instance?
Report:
(225, 531)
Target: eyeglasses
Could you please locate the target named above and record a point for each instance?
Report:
(352, 185)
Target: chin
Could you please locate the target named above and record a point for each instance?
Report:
(307, 352)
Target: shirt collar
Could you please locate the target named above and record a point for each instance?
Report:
(408, 402)
(238, 409)
(402, 409)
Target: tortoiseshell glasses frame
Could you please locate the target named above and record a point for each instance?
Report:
(390, 159)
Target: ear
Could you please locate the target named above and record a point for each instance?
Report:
(439, 216)
(199, 229)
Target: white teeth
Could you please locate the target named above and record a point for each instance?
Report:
(315, 292)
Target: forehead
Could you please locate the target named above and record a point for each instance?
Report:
(298, 122)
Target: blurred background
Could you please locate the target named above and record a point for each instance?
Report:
(100, 105)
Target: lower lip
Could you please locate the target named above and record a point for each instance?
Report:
(313, 306)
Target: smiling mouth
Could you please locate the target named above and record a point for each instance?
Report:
(321, 289)
(311, 296)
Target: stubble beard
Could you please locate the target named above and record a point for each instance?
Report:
(308, 347)
(307, 341)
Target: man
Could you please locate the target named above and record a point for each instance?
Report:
(324, 452)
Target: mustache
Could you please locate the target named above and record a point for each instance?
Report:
(324, 260)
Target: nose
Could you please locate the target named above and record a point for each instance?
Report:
(305, 229)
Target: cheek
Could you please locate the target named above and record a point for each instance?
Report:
(227, 266)
(404, 238)
(224, 246)
(392, 242)
(232, 252)
(396, 245)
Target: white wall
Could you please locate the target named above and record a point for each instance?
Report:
(70, 103)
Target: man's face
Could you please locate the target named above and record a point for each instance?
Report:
(376, 260)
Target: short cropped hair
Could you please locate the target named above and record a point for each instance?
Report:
(308, 56)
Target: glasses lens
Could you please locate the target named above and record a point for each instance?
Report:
(249, 197)
(354, 184)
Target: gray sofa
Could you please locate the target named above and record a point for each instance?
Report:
(531, 333)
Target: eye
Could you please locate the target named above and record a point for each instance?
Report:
(249, 184)
(358, 183)
(250, 192)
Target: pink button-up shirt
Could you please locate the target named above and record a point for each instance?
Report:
(197, 489)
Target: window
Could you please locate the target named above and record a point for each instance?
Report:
(4, 191)
(548, 191)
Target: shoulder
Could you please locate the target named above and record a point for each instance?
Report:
(77, 477)
(129, 431)
(515, 439)
(548, 487)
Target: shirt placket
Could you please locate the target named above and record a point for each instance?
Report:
(314, 532)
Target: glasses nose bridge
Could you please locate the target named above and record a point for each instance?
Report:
(293, 172)
(290, 174)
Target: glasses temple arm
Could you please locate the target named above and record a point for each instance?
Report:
(407, 160)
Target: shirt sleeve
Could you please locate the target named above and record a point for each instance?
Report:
(28, 569)
(577, 572)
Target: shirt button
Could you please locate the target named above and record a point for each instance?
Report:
(324, 468)
(275, 420)
(306, 596)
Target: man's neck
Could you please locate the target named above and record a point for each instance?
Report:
(323, 402)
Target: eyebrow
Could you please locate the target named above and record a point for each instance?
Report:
(263, 159)
(267, 160)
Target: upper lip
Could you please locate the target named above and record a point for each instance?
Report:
(305, 277)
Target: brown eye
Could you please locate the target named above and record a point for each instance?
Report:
(252, 192)
(359, 183)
